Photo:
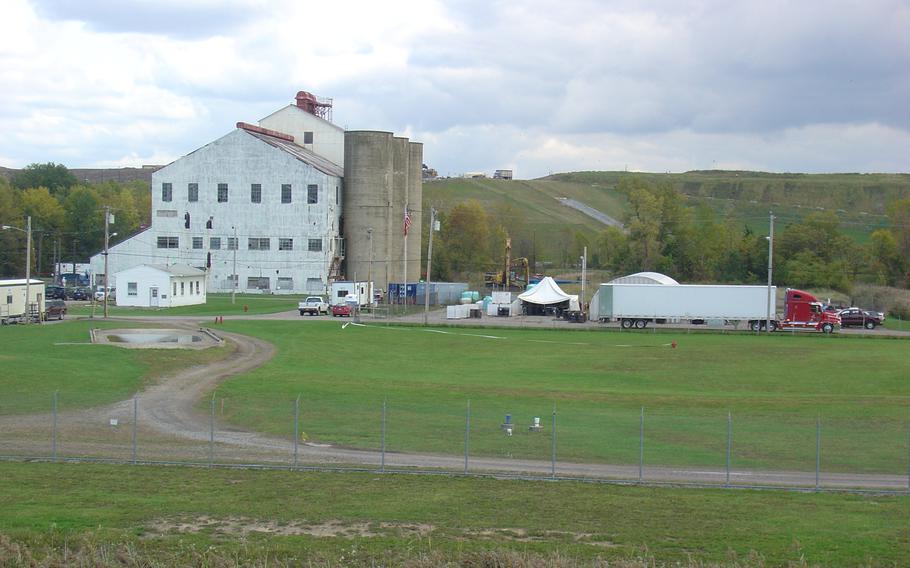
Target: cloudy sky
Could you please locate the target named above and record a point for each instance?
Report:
(536, 86)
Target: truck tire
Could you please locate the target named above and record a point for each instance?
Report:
(641, 324)
(870, 325)
(302, 312)
(828, 328)
(757, 325)
(773, 325)
(626, 324)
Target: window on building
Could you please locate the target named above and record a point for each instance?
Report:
(255, 243)
(192, 192)
(166, 213)
(337, 194)
(285, 244)
(232, 243)
(257, 283)
(168, 242)
(215, 243)
(256, 193)
(167, 192)
(183, 288)
(232, 282)
(132, 288)
(285, 283)
(315, 285)
(314, 245)
(312, 194)
(197, 242)
(286, 193)
(222, 193)
(307, 137)
(197, 286)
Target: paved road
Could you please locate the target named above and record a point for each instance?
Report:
(168, 410)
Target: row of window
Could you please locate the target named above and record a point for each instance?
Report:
(132, 288)
(253, 243)
(192, 193)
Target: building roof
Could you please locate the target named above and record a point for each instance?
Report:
(173, 269)
(19, 282)
(299, 152)
(645, 278)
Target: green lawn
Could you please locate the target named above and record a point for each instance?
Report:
(774, 387)
(137, 510)
(216, 305)
(40, 359)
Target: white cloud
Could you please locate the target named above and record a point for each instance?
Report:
(536, 86)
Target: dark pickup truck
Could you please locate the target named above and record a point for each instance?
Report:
(859, 317)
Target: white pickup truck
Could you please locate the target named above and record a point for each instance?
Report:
(314, 306)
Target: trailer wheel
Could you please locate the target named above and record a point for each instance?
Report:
(626, 324)
(641, 324)
(870, 325)
(827, 328)
(757, 325)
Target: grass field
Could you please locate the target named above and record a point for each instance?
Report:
(40, 359)
(148, 512)
(774, 387)
(216, 305)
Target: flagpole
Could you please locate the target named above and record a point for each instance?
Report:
(405, 263)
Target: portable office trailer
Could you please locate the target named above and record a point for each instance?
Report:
(12, 299)
(363, 291)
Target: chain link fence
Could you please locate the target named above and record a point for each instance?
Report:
(570, 440)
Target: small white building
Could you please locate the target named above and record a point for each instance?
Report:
(12, 298)
(160, 286)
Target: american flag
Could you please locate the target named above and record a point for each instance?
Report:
(407, 221)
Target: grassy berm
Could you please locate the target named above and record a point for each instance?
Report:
(99, 515)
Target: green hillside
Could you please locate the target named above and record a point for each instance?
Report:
(860, 200)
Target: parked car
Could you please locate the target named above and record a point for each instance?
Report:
(341, 310)
(860, 317)
(54, 292)
(78, 294)
(99, 293)
(54, 309)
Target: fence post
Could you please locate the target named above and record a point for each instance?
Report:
(212, 433)
(296, 427)
(641, 445)
(54, 436)
(467, 435)
(818, 449)
(382, 441)
(135, 423)
(553, 449)
(729, 443)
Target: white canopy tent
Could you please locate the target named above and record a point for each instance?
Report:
(547, 294)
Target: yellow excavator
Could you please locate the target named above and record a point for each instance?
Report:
(509, 277)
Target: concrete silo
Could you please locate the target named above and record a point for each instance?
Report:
(367, 205)
(382, 180)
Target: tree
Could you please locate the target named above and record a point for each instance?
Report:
(12, 258)
(55, 177)
(885, 261)
(466, 236)
(47, 221)
(84, 220)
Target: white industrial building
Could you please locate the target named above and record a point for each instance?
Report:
(266, 208)
(161, 286)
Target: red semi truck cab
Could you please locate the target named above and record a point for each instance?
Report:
(805, 312)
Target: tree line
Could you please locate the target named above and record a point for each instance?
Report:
(67, 216)
(663, 233)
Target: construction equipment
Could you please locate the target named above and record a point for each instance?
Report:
(510, 278)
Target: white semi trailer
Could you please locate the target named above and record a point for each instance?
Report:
(637, 305)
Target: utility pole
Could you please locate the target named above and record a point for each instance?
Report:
(370, 269)
(234, 277)
(426, 295)
(28, 268)
(584, 277)
(107, 238)
(771, 301)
